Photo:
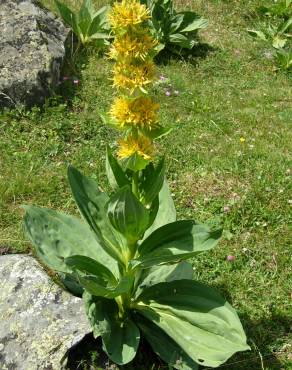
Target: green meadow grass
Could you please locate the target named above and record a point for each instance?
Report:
(228, 156)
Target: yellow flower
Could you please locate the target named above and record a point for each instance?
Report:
(132, 46)
(141, 112)
(132, 76)
(128, 13)
(141, 145)
(242, 139)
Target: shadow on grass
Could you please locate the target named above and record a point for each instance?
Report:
(88, 354)
(266, 338)
(193, 56)
(76, 59)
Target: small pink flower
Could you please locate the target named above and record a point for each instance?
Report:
(65, 78)
(167, 93)
(162, 78)
(76, 82)
(230, 258)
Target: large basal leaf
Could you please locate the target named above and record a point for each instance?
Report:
(57, 236)
(127, 214)
(161, 274)
(115, 174)
(197, 318)
(120, 336)
(175, 241)
(166, 211)
(92, 205)
(165, 347)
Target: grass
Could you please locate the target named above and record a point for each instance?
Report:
(229, 161)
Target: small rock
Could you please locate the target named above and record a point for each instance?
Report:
(39, 322)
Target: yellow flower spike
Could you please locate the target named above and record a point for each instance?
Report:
(133, 76)
(139, 112)
(141, 145)
(132, 46)
(128, 13)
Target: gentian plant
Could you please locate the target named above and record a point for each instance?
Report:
(127, 257)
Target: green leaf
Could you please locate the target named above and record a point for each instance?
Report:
(120, 337)
(84, 16)
(100, 36)
(122, 341)
(103, 13)
(166, 211)
(99, 22)
(175, 241)
(279, 42)
(176, 22)
(92, 205)
(96, 286)
(94, 308)
(57, 236)
(152, 181)
(164, 346)
(192, 22)
(115, 174)
(259, 34)
(127, 215)
(182, 40)
(159, 131)
(285, 27)
(135, 162)
(90, 266)
(284, 59)
(68, 16)
(71, 284)
(153, 210)
(197, 318)
(161, 274)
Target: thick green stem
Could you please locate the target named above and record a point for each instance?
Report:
(124, 300)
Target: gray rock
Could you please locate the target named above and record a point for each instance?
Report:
(31, 52)
(39, 322)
